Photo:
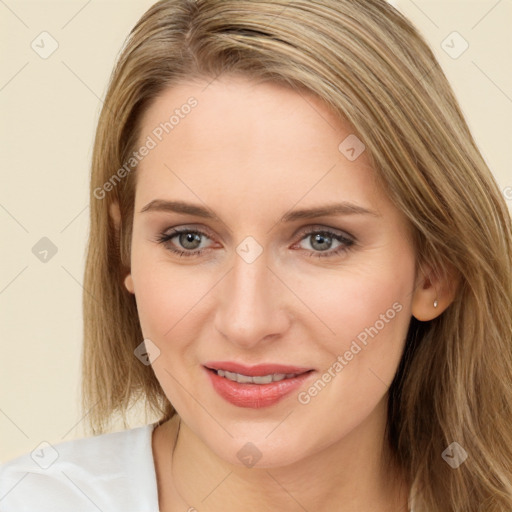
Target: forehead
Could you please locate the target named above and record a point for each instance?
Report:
(248, 140)
(250, 113)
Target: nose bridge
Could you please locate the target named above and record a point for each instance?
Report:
(249, 306)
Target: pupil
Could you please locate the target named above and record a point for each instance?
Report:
(190, 238)
(321, 239)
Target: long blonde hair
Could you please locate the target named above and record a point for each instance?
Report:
(372, 67)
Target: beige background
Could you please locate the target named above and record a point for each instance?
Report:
(49, 110)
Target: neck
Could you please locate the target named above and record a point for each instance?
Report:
(350, 475)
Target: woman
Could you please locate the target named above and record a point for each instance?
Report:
(300, 261)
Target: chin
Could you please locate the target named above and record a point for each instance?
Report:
(261, 450)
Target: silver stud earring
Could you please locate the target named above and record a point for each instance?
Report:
(436, 303)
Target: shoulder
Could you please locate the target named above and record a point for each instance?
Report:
(113, 472)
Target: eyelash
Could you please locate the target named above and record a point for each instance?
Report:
(165, 237)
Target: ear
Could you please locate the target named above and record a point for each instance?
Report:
(433, 287)
(115, 215)
(128, 283)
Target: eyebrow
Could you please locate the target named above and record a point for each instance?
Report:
(344, 208)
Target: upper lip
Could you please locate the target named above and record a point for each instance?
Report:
(256, 370)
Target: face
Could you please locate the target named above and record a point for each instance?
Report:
(245, 280)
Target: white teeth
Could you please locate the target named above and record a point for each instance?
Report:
(242, 378)
(263, 379)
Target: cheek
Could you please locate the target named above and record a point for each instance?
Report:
(370, 317)
(170, 297)
(373, 307)
(166, 299)
(361, 313)
(371, 330)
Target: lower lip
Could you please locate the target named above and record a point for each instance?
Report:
(255, 396)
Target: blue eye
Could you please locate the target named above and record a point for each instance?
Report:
(190, 241)
(323, 240)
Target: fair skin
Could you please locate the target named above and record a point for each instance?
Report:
(250, 153)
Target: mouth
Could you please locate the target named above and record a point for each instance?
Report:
(260, 379)
(255, 386)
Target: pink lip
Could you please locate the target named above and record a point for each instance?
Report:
(255, 396)
(256, 370)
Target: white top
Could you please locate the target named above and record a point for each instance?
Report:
(112, 472)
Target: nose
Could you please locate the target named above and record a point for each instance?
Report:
(252, 307)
